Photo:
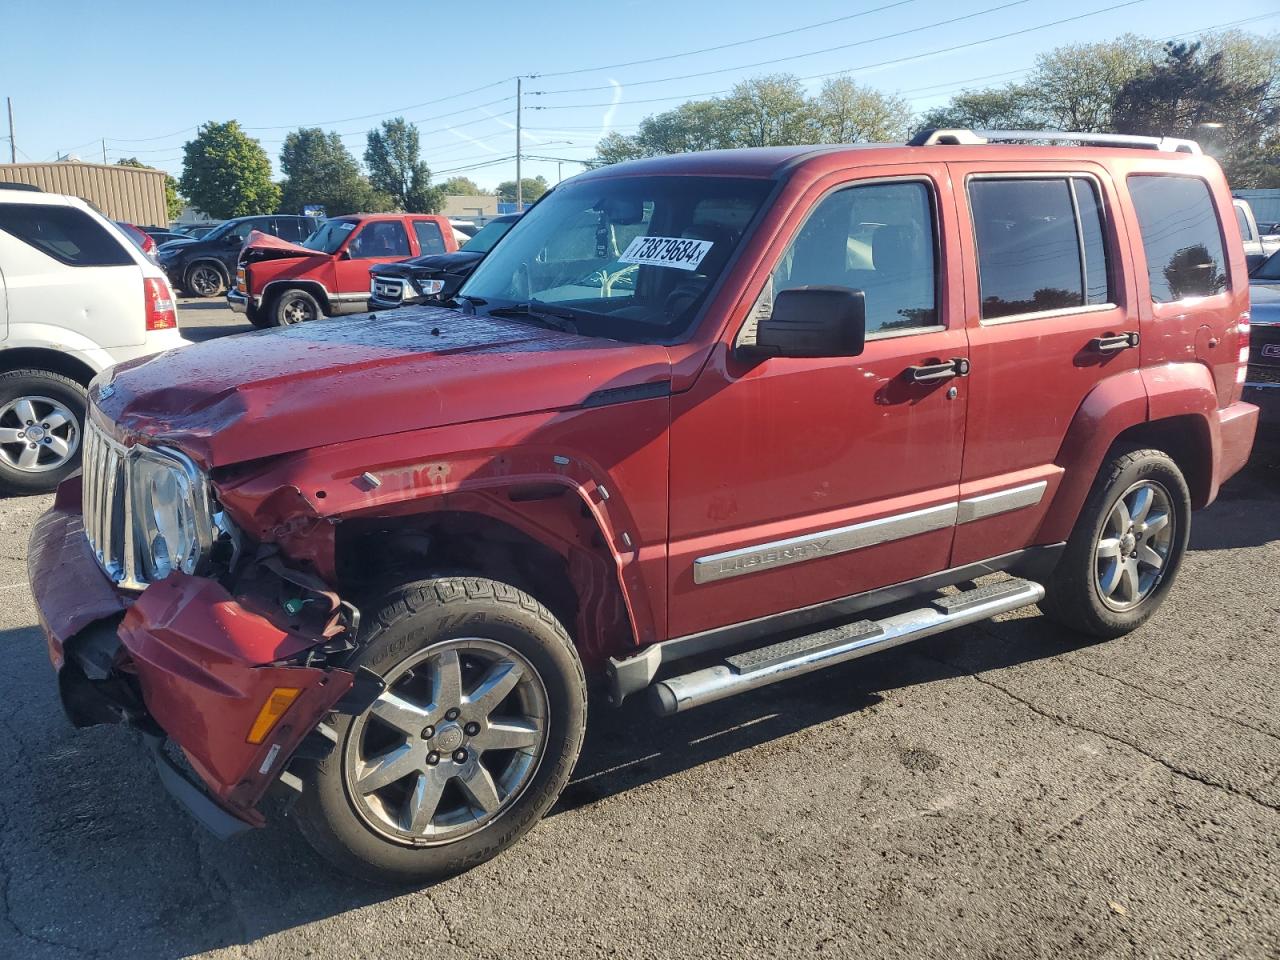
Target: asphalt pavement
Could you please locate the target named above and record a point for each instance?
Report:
(1003, 791)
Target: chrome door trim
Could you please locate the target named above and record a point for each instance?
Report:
(823, 543)
(870, 533)
(1002, 501)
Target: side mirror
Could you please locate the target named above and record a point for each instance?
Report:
(813, 322)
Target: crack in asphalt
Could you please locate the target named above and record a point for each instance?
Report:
(1114, 738)
(1227, 718)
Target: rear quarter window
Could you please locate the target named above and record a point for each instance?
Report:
(68, 235)
(1180, 235)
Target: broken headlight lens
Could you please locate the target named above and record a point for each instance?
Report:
(172, 528)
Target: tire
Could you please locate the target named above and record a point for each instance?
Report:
(48, 395)
(204, 278)
(1087, 591)
(259, 317)
(293, 306)
(407, 638)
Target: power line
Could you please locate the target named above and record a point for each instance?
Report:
(387, 113)
(811, 53)
(724, 46)
(885, 63)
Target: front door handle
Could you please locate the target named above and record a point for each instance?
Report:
(935, 372)
(1113, 343)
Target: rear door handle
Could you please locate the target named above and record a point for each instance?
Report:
(935, 372)
(1113, 343)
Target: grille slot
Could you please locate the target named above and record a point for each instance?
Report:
(107, 524)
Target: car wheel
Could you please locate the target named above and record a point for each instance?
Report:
(294, 306)
(470, 743)
(41, 423)
(203, 280)
(1124, 553)
(258, 316)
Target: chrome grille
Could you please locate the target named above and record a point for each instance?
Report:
(106, 506)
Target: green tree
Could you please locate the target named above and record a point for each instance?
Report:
(845, 112)
(769, 110)
(1229, 96)
(998, 108)
(318, 168)
(173, 202)
(531, 187)
(226, 173)
(461, 187)
(392, 156)
(1075, 87)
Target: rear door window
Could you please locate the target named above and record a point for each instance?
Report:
(1180, 235)
(68, 235)
(429, 237)
(1041, 244)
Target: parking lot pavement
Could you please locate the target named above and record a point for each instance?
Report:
(201, 319)
(1005, 791)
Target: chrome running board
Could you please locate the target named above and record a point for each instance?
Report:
(801, 655)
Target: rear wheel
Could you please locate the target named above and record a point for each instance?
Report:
(294, 306)
(1126, 548)
(471, 742)
(41, 423)
(204, 279)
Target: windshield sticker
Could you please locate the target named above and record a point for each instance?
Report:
(348, 227)
(681, 253)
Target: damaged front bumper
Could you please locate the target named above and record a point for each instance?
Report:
(186, 660)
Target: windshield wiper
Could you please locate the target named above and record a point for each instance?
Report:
(540, 313)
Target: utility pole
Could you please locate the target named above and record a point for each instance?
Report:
(519, 186)
(104, 150)
(13, 144)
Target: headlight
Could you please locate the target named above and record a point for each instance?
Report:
(429, 288)
(172, 527)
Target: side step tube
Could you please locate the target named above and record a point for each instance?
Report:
(801, 655)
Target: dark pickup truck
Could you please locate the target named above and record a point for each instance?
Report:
(434, 278)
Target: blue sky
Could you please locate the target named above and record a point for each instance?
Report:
(144, 75)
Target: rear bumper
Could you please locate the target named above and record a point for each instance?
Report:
(1237, 426)
(186, 660)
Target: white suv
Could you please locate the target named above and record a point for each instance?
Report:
(76, 296)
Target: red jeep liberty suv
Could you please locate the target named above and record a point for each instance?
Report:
(688, 404)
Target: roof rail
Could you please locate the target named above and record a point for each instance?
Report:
(930, 138)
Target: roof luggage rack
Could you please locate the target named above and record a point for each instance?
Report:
(930, 138)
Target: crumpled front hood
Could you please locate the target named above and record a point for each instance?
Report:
(330, 381)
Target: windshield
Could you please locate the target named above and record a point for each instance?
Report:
(631, 258)
(484, 238)
(1269, 270)
(329, 235)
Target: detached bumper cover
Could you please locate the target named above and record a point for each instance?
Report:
(204, 663)
(1237, 426)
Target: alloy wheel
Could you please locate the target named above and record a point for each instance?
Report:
(205, 281)
(1133, 548)
(37, 434)
(449, 745)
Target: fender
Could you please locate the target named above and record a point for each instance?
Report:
(1122, 402)
(610, 530)
(1110, 408)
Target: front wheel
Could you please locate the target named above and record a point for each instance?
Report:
(470, 743)
(203, 280)
(1124, 553)
(294, 306)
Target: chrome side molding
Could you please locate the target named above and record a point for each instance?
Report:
(827, 543)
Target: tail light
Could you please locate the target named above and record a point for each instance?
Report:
(158, 298)
(1242, 355)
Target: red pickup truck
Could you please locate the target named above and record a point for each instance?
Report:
(279, 283)
(700, 423)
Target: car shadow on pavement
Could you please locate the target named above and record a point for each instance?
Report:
(1241, 516)
(198, 332)
(628, 747)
